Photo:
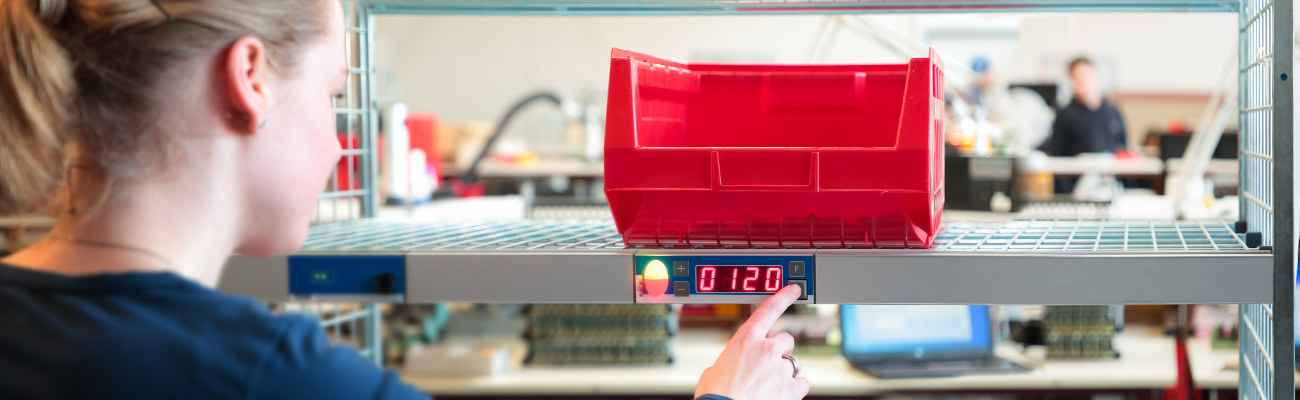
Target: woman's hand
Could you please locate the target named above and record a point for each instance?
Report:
(751, 366)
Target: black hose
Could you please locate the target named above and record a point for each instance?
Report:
(471, 175)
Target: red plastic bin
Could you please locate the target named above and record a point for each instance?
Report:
(774, 155)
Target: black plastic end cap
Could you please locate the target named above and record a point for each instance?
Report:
(1254, 239)
(1239, 227)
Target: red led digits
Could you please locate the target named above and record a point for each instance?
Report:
(772, 281)
(751, 275)
(707, 278)
(731, 279)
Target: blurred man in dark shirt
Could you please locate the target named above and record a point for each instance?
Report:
(1089, 124)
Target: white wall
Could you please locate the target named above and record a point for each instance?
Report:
(472, 68)
(1161, 53)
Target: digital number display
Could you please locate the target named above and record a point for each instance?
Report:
(738, 278)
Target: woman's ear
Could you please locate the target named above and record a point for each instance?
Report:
(246, 72)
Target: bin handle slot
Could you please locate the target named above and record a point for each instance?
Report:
(753, 180)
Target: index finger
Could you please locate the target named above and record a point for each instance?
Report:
(766, 314)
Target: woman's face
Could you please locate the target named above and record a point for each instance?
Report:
(292, 160)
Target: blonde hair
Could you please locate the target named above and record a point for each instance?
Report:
(90, 75)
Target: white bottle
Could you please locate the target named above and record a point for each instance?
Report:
(395, 172)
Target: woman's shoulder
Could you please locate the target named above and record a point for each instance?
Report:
(304, 362)
(112, 331)
(287, 354)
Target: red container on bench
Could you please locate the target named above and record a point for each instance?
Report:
(774, 155)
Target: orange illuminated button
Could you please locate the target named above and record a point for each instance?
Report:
(655, 278)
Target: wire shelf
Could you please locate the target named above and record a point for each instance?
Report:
(1029, 236)
(498, 235)
(1091, 236)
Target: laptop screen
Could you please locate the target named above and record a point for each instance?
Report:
(915, 331)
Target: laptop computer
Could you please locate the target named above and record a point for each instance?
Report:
(921, 341)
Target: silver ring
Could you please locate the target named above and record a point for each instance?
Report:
(793, 362)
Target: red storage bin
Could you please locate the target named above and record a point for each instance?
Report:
(348, 172)
(774, 155)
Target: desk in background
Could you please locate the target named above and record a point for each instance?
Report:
(1147, 366)
(1210, 367)
(1214, 370)
(1103, 164)
(1223, 173)
(542, 168)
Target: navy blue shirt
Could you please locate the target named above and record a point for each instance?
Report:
(1078, 129)
(160, 336)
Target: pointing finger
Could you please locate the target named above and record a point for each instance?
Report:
(766, 314)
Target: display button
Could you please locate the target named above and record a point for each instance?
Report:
(681, 289)
(681, 268)
(803, 288)
(796, 269)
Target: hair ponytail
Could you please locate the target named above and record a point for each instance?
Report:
(36, 88)
(83, 76)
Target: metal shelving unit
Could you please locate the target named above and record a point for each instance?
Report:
(1267, 186)
(1036, 262)
(1048, 262)
(352, 192)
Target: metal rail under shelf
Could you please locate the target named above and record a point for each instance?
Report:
(756, 7)
(1030, 262)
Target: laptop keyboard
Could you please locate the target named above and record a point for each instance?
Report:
(925, 369)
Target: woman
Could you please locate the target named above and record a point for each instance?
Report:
(167, 134)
